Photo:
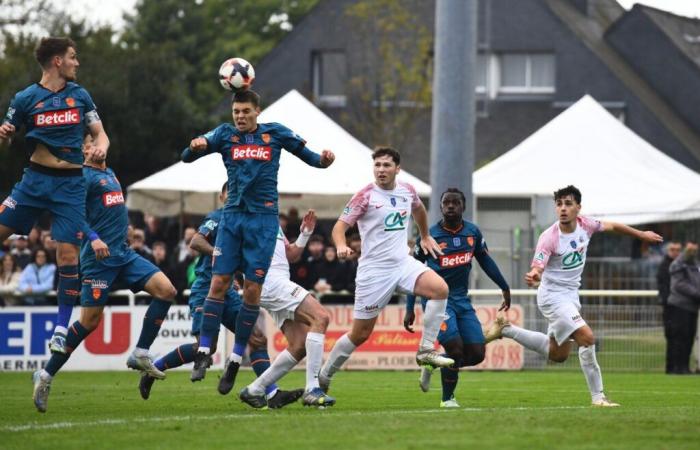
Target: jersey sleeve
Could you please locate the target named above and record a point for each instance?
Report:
(590, 225)
(546, 245)
(16, 112)
(289, 140)
(213, 138)
(480, 246)
(416, 202)
(356, 208)
(207, 227)
(91, 115)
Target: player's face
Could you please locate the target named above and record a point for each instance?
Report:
(452, 206)
(68, 65)
(567, 209)
(385, 171)
(245, 117)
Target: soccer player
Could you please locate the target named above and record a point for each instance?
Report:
(102, 269)
(301, 318)
(56, 111)
(202, 242)
(556, 268)
(251, 153)
(460, 334)
(381, 211)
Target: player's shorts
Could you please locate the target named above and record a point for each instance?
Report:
(198, 294)
(245, 242)
(281, 298)
(99, 279)
(563, 312)
(374, 287)
(461, 322)
(59, 191)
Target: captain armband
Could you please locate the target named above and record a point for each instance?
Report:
(92, 117)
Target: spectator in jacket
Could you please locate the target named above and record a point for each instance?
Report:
(663, 283)
(9, 280)
(37, 279)
(683, 304)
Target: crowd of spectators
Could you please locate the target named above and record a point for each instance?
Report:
(28, 271)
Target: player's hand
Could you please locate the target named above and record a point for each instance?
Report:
(198, 144)
(533, 278)
(408, 320)
(101, 249)
(7, 130)
(505, 306)
(327, 158)
(98, 153)
(429, 246)
(650, 236)
(343, 251)
(308, 222)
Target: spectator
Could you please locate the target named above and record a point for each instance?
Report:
(293, 224)
(154, 230)
(138, 244)
(663, 281)
(160, 259)
(9, 280)
(21, 252)
(304, 271)
(48, 244)
(683, 303)
(183, 247)
(332, 273)
(37, 279)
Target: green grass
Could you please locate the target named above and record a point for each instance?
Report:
(530, 410)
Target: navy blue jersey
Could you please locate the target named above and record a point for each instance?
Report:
(56, 119)
(459, 247)
(106, 215)
(252, 162)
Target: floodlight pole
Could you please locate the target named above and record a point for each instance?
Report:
(453, 121)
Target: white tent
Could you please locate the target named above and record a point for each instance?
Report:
(193, 188)
(621, 176)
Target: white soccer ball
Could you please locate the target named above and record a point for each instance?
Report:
(236, 74)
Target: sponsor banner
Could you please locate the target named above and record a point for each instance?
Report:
(391, 347)
(25, 333)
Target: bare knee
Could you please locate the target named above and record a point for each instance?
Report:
(219, 285)
(90, 320)
(166, 291)
(358, 337)
(321, 319)
(251, 293)
(66, 255)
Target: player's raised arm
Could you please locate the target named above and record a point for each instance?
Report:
(7, 130)
(308, 224)
(621, 228)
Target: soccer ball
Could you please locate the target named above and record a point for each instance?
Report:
(236, 74)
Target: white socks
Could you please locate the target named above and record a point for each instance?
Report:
(314, 358)
(279, 368)
(432, 319)
(591, 370)
(342, 350)
(532, 340)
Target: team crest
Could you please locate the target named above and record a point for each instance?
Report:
(573, 244)
(249, 139)
(470, 241)
(56, 101)
(393, 201)
(265, 137)
(70, 102)
(235, 139)
(456, 241)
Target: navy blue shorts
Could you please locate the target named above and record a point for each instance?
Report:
(245, 242)
(99, 279)
(45, 189)
(198, 294)
(461, 323)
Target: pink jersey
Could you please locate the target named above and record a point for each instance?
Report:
(562, 256)
(383, 218)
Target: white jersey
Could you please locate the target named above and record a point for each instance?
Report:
(383, 218)
(562, 256)
(279, 267)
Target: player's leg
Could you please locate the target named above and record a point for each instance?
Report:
(90, 316)
(68, 291)
(212, 313)
(430, 285)
(589, 365)
(163, 293)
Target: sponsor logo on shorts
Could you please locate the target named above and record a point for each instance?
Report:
(296, 291)
(259, 273)
(455, 260)
(98, 284)
(217, 251)
(57, 118)
(577, 318)
(372, 308)
(10, 202)
(257, 152)
(110, 199)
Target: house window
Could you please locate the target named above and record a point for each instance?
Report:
(526, 73)
(329, 72)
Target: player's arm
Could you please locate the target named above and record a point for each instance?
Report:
(341, 244)
(427, 243)
(313, 159)
(621, 228)
(308, 224)
(7, 130)
(491, 269)
(100, 139)
(200, 244)
(12, 121)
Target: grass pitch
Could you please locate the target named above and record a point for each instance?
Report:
(530, 410)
